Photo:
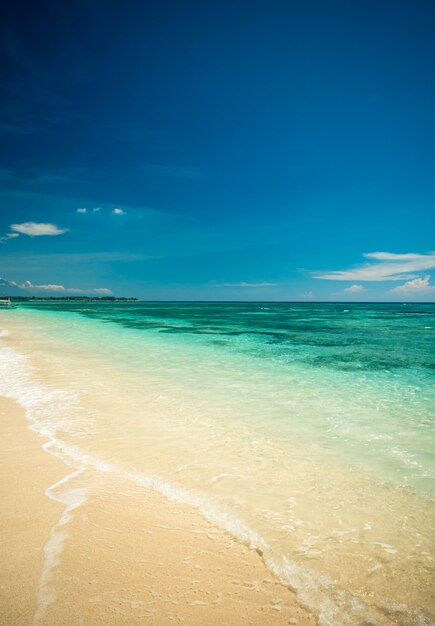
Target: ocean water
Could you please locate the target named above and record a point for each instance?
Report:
(305, 430)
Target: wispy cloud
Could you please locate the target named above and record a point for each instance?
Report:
(27, 285)
(53, 287)
(415, 287)
(388, 266)
(37, 229)
(354, 289)
(8, 236)
(119, 212)
(85, 210)
(103, 291)
(392, 256)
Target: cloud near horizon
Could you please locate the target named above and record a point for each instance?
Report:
(103, 291)
(61, 288)
(415, 287)
(28, 285)
(389, 266)
(37, 229)
(119, 212)
(354, 289)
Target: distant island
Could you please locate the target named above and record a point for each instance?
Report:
(69, 299)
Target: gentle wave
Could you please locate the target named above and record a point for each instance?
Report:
(51, 412)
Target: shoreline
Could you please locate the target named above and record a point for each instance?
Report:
(112, 553)
(117, 553)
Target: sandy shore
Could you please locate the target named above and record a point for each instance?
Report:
(124, 555)
(27, 515)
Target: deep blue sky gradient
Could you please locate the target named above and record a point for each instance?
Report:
(246, 142)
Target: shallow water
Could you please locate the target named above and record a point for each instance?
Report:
(306, 429)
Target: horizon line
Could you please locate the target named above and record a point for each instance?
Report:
(109, 301)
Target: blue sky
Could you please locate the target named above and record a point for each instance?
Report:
(254, 150)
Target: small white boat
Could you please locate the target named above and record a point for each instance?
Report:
(5, 303)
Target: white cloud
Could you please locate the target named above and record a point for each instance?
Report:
(391, 256)
(119, 212)
(307, 295)
(36, 229)
(53, 287)
(28, 285)
(94, 210)
(389, 266)
(9, 236)
(103, 291)
(415, 287)
(355, 289)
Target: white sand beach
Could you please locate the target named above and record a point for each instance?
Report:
(126, 555)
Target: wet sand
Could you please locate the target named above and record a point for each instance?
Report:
(123, 555)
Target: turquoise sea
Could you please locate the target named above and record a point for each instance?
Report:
(303, 429)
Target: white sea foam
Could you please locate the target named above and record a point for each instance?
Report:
(71, 498)
(46, 409)
(175, 493)
(410, 461)
(317, 593)
(51, 413)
